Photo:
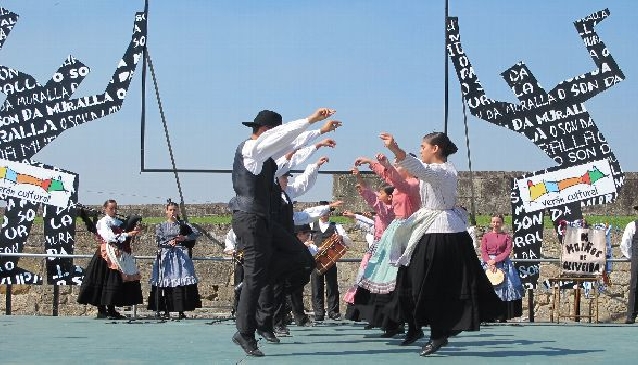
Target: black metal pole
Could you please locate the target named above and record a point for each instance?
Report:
(530, 304)
(56, 299)
(7, 309)
(446, 65)
(143, 111)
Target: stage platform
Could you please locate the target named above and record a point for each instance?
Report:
(84, 340)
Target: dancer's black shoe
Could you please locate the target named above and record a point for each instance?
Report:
(248, 344)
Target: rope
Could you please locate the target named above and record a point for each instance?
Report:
(469, 162)
(168, 140)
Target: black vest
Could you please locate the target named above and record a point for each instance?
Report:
(282, 211)
(332, 229)
(252, 192)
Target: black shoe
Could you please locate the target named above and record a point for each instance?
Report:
(269, 336)
(115, 316)
(432, 347)
(335, 316)
(181, 316)
(281, 331)
(319, 318)
(630, 320)
(411, 337)
(303, 321)
(390, 333)
(249, 345)
(368, 327)
(101, 315)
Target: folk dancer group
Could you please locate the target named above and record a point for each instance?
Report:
(421, 267)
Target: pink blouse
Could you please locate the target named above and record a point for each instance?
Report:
(406, 198)
(499, 244)
(385, 213)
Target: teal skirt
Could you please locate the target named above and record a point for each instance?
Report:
(380, 276)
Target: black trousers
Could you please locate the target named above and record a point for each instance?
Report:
(296, 302)
(632, 311)
(329, 281)
(254, 235)
(270, 255)
(238, 278)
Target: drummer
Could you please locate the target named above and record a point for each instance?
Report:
(496, 247)
(325, 229)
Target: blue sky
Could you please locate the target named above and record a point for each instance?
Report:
(380, 64)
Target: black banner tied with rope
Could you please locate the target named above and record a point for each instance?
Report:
(558, 123)
(32, 116)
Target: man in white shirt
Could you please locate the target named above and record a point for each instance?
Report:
(253, 179)
(325, 229)
(629, 248)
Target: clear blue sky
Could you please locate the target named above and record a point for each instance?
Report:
(380, 64)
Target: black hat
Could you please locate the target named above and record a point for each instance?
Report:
(636, 207)
(265, 118)
(323, 202)
(304, 228)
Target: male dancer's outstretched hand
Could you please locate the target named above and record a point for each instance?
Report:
(320, 114)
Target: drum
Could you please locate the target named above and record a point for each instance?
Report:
(329, 252)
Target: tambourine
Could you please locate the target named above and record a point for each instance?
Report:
(496, 277)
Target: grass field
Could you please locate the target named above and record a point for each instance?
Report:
(482, 221)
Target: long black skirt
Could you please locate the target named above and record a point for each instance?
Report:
(448, 287)
(93, 281)
(370, 307)
(175, 299)
(104, 286)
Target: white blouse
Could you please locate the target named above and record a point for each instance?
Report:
(438, 188)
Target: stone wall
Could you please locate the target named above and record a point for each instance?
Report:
(215, 277)
(491, 190)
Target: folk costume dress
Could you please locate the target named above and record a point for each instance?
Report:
(498, 247)
(384, 216)
(103, 284)
(447, 285)
(379, 276)
(174, 273)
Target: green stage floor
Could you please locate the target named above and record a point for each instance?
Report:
(83, 340)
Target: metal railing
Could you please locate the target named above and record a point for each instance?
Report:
(56, 292)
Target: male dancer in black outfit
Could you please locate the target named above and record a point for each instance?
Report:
(253, 181)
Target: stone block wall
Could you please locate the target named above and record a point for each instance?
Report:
(491, 191)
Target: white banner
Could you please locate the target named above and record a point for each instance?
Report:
(565, 186)
(35, 184)
(584, 251)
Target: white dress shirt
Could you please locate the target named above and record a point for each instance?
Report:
(310, 214)
(338, 227)
(103, 227)
(273, 142)
(627, 237)
(230, 242)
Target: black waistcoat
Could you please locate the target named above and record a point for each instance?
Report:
(332, 229)
(282, 210)
(252, 191)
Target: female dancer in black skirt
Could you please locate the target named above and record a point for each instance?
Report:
(174, 272)
(444, 279)
(103, 285)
